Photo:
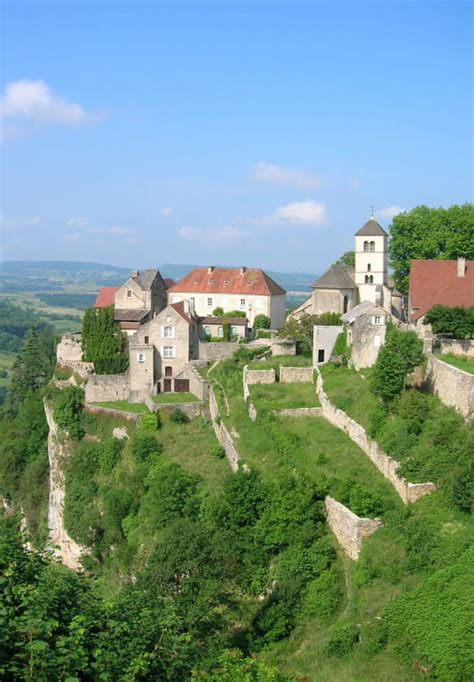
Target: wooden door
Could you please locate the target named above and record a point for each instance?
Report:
(167, 385)
(181, 385)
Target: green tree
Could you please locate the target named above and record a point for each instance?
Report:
(402, 352)
(347, 258)
(424, 232)
(301, 329)
(457, 322)
(103, 341)
(218, 312)
(33, 367)
(261, 322)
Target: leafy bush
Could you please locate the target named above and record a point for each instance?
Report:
(3, 374)
(235, 313)
(144, 446)
(342, 641)
(218, 312)
(402, 352)
(218, 451)
(261, 322)
(103, 341)
(67, 405)
(324, 594)
(340, 347)
(110, 454)
(150, 422)
(263, 334)
(457, 322)
(178, 417)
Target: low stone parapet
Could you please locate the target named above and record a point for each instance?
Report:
(349, 529)
(296, 375)
(453, 386)
(222, 433)
(300, 412)
(409, 492)
(463, 348)
(111, 412)
(103, 387)
(259, 376)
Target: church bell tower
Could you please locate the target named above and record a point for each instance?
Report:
(371, 243)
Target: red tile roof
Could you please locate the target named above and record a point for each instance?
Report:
(105, 297)
(169, 282)
(179, 307)
(228, 281)
(435, 282)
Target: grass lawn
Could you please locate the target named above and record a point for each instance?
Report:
(460, 363)
(136, 408)
(350, 391)
(283, 396)
(282, 361)
(173, 398)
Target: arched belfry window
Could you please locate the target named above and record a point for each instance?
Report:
(371, 279)
(372, 247)
(366, 246)
(368, 267)
(345, 303)
(366, 279)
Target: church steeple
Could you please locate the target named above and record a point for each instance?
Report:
(371, 243)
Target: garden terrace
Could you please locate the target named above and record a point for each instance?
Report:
(467, 365)
(281, 361)
(174, 398)
(283, 396)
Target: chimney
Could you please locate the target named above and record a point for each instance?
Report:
(210, 270)
(186, 307)
(242, 270)
(135, 273)
(461, 267)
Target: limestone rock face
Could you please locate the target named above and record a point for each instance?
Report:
(63, 546)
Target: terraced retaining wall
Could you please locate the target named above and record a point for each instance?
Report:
(222, 433)
(409, 492)
(349, 529)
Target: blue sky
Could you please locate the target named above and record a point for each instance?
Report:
(238, 133)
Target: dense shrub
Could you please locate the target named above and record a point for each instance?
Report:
(67, 406)
(178, 417)
(218, 312)
(342, 641)
(150, 422)
(261, 322)
(103, 341)
(324, 594)
(402, 352)
(144, 446)
(457, 322)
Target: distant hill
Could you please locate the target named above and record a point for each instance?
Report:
(48, 276)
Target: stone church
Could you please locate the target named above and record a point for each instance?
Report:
(342, 287)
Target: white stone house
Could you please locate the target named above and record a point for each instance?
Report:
(247, 289)
(366, 326)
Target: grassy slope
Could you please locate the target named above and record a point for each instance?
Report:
(282, 361)
(397, 558)
(460, 363)
(279, 396)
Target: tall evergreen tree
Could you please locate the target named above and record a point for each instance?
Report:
(103, 341)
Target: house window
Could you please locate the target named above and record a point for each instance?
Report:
(207, 330)
(366, 246)
(168, 332)
(209, 302)
(129, 293)
(377, 320)
(146, 340)
(242, 303)
(140, 357)
(169, 352)
(321, 354)
(220, 332)
(372, 247)
(233, 330)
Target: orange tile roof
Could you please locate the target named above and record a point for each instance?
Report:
(435, 282)
(105, 297)
(228, 281)
(179, 307)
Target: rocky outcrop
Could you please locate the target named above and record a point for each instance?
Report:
(62, 545)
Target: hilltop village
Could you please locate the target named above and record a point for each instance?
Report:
(174, 327)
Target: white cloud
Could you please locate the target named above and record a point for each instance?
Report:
(306, 212)
(389, 212)
(166, 212)
(286, 177)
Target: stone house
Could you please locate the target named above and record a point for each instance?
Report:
(138, 300)
(161, 349)
(366, 326)
(214, 327)
(247, 289)
(343, 287)
(438, 282)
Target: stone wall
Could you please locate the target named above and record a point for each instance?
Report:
(222, 433)
(112, 412)
(191, 410)
(324, 338)
(259, 376)
(216, 350)
(61, 543)
(296, 375)
(300, 412)
(453, 386)
(252, 412)
(409, 492)
(69, 354)
(464, 349)
(197, 385)
(283, 346)
(349, 529)
(102, 387)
